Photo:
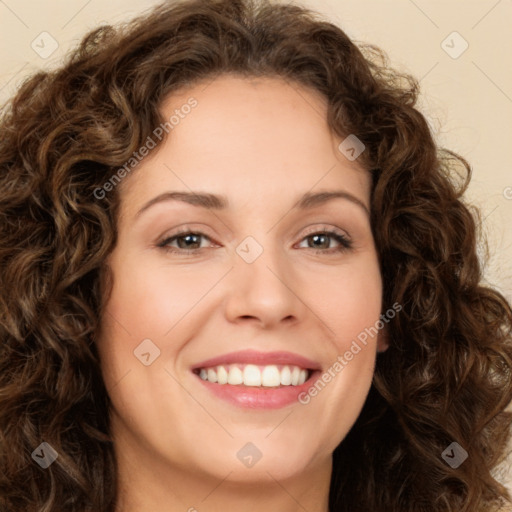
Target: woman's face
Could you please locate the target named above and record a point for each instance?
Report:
(257, 287)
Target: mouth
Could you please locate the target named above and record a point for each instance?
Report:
(257, 380)
(251, 375)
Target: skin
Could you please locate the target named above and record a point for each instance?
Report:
(262, 143)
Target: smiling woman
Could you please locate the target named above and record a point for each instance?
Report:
(268, 300)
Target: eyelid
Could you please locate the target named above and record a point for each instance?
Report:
(162, 243)
(182, 230)
(322, 227)
(316, 228)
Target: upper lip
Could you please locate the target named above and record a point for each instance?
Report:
(259, 358)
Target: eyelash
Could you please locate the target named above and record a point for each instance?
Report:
(345, 243)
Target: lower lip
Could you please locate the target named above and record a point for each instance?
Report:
(259, 398)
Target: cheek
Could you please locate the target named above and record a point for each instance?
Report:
(349, 303)
(348, 300)
(148, 299)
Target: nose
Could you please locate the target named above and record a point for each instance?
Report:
(264, 292)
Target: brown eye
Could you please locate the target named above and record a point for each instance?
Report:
(320, 242)
(187, 241)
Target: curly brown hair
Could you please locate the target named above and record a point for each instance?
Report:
(446, 376)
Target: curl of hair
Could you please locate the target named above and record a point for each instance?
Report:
(446, 376)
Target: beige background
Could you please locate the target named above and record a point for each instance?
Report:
(467, 100)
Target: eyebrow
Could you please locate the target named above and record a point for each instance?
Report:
(216, 202)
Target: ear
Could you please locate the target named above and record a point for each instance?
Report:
(383, 339)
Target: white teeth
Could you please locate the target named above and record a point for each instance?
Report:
(286, 376)
(270, 376)
(295, 375)
(252, 375)
(235, 376)
(222, 375)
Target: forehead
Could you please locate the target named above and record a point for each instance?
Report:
(250, 138)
